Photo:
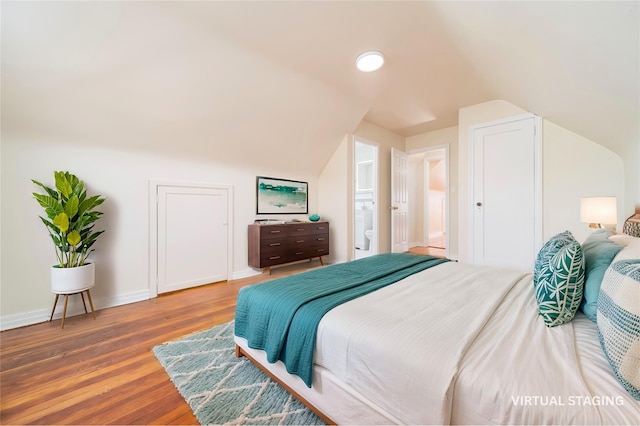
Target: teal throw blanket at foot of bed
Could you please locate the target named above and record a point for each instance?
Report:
(281, 316)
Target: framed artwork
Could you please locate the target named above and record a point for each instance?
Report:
(281, 196)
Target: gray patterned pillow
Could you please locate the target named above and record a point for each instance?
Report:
(619, 322)
(558, 279)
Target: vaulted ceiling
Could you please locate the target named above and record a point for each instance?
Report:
(226, 79)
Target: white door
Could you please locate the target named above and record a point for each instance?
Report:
(399, 202)
(192, 236)
(506, 173)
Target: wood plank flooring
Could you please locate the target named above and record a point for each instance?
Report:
(433, 251)
(103, 371)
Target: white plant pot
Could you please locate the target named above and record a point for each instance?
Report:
(72, 280)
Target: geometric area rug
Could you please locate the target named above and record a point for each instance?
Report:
(223, 389)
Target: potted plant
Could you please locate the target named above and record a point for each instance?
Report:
(70, 218)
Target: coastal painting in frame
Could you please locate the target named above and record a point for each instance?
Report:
(281, 196)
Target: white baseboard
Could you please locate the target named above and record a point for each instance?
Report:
(245, 274)
(74, 307)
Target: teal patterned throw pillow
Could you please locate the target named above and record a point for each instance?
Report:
(558, 279)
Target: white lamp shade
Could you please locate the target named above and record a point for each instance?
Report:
(598, 210)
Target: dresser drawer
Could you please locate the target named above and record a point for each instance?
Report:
(319, 251)
(299, 229)
(319, 228)
(268, 232)
(302, 253)
(319, 240)
(273, 244)
(299, 241)
(275, 257)
(283, 243)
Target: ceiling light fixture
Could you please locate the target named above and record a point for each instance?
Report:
(370, 61)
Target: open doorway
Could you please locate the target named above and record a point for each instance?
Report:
(428, 201)
(365, 203)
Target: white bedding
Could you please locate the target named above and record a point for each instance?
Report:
(521, 372)
(390, 354)
(460, 344)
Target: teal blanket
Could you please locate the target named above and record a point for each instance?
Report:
(281, 316)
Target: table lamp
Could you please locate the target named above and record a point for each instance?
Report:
(598, 210)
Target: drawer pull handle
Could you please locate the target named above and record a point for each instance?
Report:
(274, 232)
(274, 244)
(319, 250)
(299, 253)
(321, 239)
(321, 228)
(300, 241)
(274, 257)
(300, 229)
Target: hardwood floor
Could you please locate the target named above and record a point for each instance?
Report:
(433, 251)
(103, 371)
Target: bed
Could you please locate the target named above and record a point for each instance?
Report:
(451, 343)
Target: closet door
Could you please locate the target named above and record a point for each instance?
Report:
(192, 236)
(506, 193)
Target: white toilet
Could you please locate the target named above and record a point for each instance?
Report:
(369, 234)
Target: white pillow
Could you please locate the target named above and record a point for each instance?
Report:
(631, 248)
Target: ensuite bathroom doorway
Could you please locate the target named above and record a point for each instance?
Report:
(365, 198)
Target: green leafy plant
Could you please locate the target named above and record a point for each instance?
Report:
(70, 218)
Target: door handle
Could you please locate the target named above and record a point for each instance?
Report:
(479, 204)
(393, 207)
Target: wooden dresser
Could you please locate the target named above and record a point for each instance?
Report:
(283, 243)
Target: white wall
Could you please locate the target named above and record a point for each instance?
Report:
(631, 159)
(336, 189)
(122, 252)
(416, 190)
(437, 188)
(419, 230)
(334, 202)
(436, 213)
(120, 93)
(572, 167)
(575, 167)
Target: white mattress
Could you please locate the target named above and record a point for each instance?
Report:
(460, 344)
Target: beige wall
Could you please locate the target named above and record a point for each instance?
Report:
(572, 167)
(336, 189)
(575, 167)
(631, 159)
(416, 190)
(122, 252)
(448, 137)
(333, 200)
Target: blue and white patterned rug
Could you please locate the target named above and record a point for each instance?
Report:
(223, 389)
